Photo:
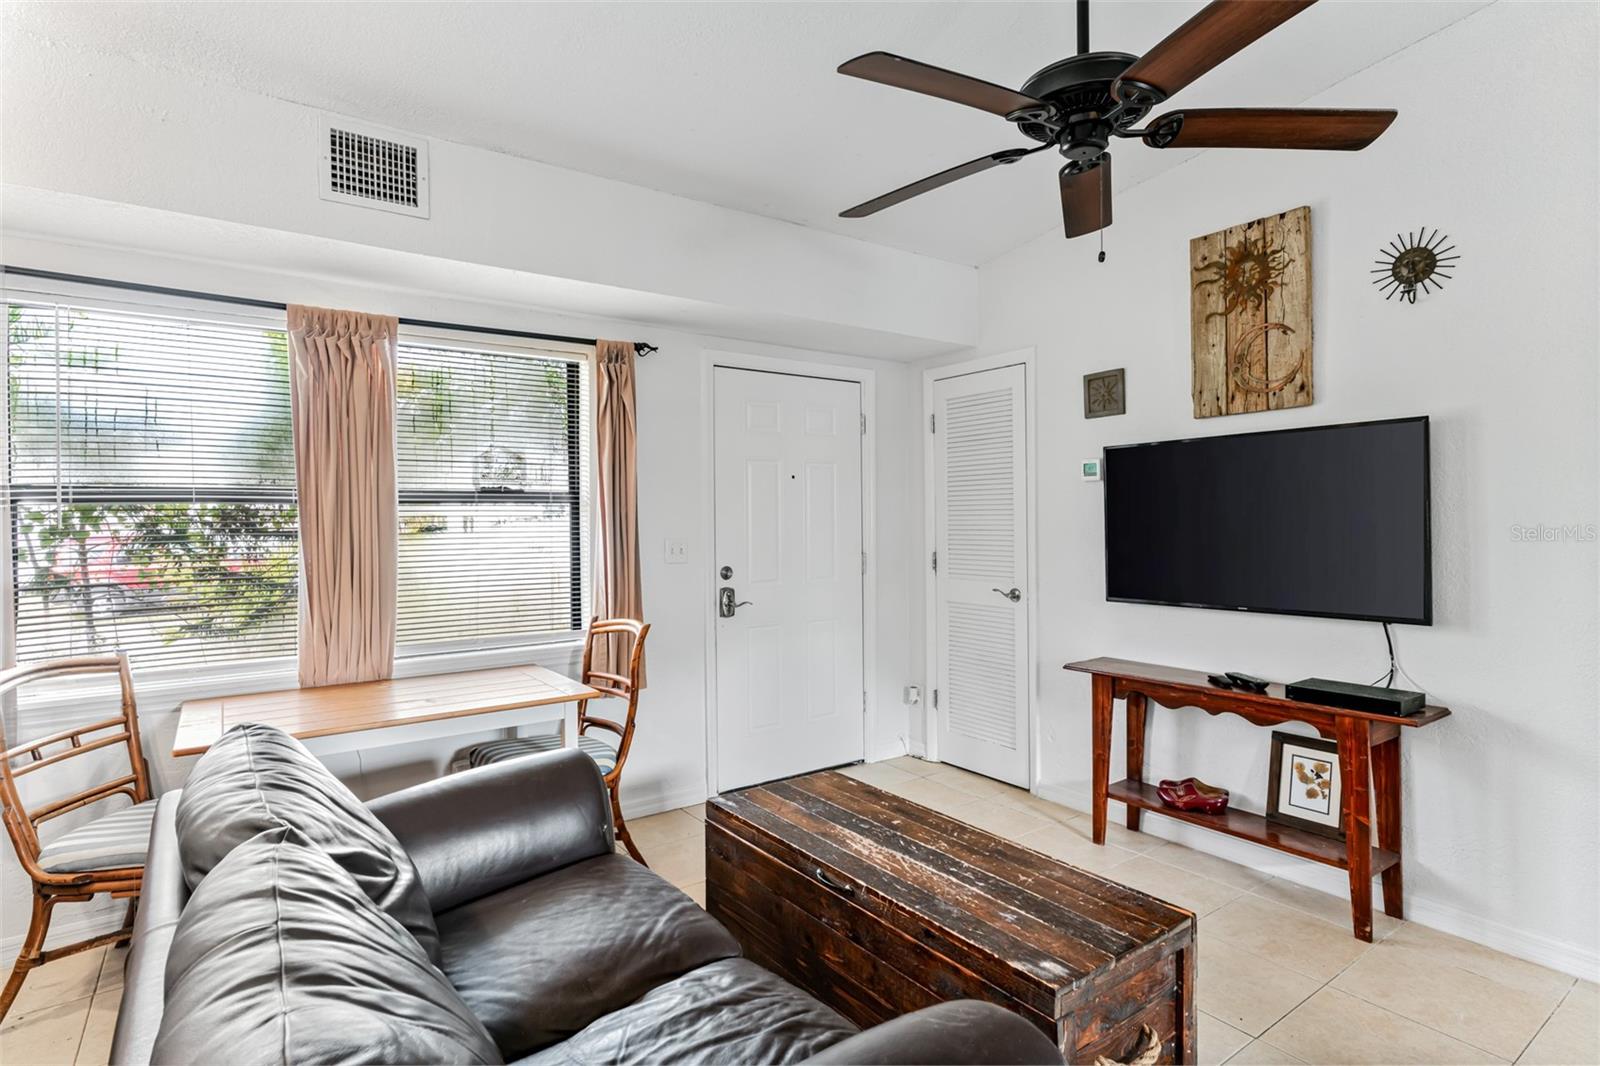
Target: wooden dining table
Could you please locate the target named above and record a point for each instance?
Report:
(339, 718)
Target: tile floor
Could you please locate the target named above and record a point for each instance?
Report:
(1414, 996)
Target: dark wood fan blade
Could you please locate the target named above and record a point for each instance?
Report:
(1086, 198)
(944, 177)
(1221, 29)
(1269, 127)
(905, 73)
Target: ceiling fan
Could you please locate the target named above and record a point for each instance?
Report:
(1078, 104)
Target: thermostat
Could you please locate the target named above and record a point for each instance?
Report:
(1089, 470)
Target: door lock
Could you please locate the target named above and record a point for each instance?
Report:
(1014, 595)
(726, 607)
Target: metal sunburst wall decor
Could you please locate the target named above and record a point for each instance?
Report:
(1414, 260)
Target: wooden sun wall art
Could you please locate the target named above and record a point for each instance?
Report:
(1250, 316)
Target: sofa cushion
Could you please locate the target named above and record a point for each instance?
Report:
(257, 777)
(731, 1011)
(540, 960)
(280, 957)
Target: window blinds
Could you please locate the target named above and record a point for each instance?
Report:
(150, 475)
(491, 482)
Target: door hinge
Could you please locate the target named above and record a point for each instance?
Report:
(863, 562)
(863, 701)
(936, 562)
(863, 425)
(936, 699)
(933, 425)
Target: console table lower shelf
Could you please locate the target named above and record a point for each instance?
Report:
(1369, 765)
(1251, 827)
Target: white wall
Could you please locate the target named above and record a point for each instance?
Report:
(115, 168)
(112, 129)
(667, 765)
(1496, 144)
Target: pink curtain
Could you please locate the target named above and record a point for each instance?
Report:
(618, 593)
(342, 390)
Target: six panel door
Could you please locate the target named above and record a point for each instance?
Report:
(790, 687)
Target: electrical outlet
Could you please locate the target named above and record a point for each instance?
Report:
(677, 552)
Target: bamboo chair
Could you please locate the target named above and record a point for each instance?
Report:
(90, 859)
(609, 757)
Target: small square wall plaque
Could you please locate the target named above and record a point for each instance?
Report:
(1104, 393)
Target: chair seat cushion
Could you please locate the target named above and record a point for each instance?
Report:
(731, 1011)
(539, 961)
(257, 777)
(280, 957)
(493, 751)
(110, 842)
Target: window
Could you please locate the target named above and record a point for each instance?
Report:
(491, 482)
(151, 488)
(150, 476)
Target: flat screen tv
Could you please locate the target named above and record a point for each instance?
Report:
(1327, 520)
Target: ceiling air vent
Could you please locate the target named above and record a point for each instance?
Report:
(370, 166)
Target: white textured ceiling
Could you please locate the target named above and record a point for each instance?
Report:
(736, 104)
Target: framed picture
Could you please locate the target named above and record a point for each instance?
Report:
(1304, 788)
(1105, 393)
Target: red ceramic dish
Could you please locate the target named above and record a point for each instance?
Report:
(1193, 794)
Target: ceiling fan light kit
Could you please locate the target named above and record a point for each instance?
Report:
(1078, 104)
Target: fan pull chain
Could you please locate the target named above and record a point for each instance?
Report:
(1102, 230)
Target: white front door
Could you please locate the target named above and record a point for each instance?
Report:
(980, 511)
(788, 563)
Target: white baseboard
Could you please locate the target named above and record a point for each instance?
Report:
(1567, 957)
(655, 802)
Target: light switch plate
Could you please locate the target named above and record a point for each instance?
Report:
(677, 552)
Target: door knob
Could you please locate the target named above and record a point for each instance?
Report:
(726, 607)
(1014, 595)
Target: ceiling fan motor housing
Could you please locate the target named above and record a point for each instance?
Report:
(1079, 88)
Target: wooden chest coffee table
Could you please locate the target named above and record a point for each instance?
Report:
(878, 906)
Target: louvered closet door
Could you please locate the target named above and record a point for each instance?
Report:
(981, 576)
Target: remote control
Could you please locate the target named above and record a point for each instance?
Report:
(1249, 681)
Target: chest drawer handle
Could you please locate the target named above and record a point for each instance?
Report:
(834, 883)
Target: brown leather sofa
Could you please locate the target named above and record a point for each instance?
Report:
(482, 917)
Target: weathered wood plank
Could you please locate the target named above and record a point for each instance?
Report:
(1289, 349)
(1101, 912)
(749, 871)
(1246, 326)
(879, 906)
(1069, 956)
(1208, 336)
(1007, 960)
(861, 968)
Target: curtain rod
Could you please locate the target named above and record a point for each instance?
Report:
(639, 347)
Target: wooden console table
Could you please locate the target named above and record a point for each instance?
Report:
(1369, 764)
